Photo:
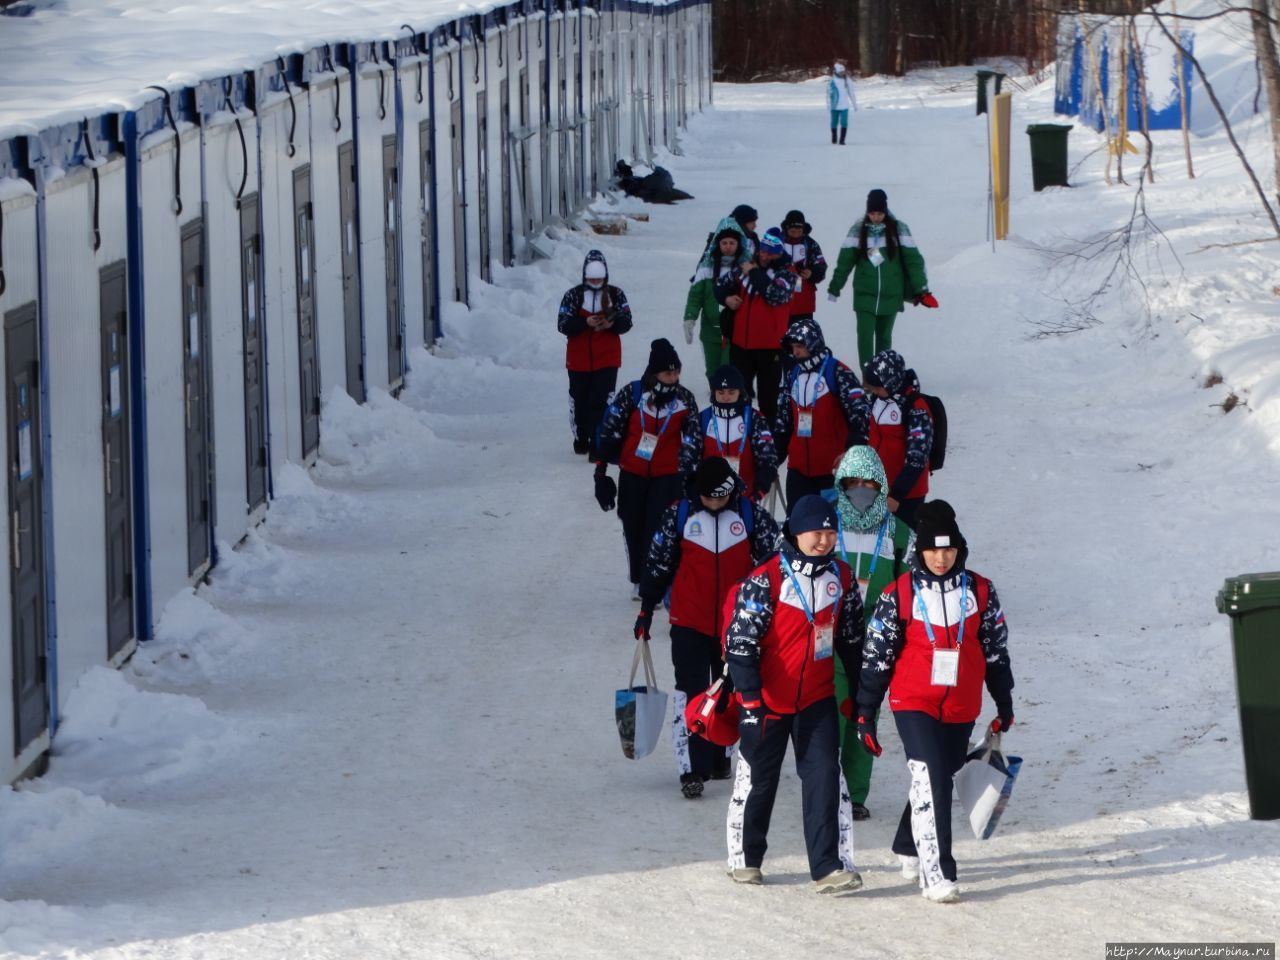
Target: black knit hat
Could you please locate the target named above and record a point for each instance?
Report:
(936, 527)
(715, 478)
(744, 213)
(877, 201)
(794, 218)
(662, 356)
(811, 512)
(730, 234)
(727, 377)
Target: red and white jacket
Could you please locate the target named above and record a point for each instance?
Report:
(837, 417)
(891, 433)
(698, 556)
(775, 651)
(632, 414)
(898, 653)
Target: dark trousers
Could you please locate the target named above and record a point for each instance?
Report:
(762, 371)
(641, 501)
(816, 738)
(935, 751)
(798, 485)
(696, 659)
(907, 510)
(588, 396)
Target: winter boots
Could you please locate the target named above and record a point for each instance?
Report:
(749, 875)
(691, 785)
(860, 812)
(844, 131)
(833, 134)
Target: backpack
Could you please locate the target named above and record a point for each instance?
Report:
(938, 413)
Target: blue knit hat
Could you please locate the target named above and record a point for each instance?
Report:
(771, 242)
(727, 377)
(811, 512)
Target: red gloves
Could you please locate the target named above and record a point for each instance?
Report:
(927, 300)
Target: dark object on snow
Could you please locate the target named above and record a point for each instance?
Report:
(657, 187)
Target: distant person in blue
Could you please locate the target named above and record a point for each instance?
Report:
(840, 100)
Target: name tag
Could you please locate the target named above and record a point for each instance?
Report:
(875, 258)
(946, 668)
(648, 443)
(823, 640)
(804, 423)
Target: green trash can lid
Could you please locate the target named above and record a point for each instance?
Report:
(1251, 591)
(1048, 127)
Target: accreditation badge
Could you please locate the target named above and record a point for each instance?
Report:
(946, 668)
(648, 443)
(824, 635)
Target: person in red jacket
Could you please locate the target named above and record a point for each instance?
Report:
(731, 428)
(936, 635)
(759, 295)
(822, 412)
(643, 430)
(900, 428)
(593, 316)
(704, 545)
(806, 260)
(794, 614)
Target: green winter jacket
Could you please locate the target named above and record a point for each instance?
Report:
(885, 287)
(702, 298)
(860, 532)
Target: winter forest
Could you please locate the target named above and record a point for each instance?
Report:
(408, 711)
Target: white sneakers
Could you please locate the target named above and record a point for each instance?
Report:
(839, 881)
(749, 875)
(947, 891)
(910, 867)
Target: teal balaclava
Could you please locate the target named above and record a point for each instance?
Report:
(864, 464)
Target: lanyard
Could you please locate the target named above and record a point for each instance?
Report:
(662, 422)
(884, 525)
(924, 614)
(804, 604)
(820, 373)
(715, 432)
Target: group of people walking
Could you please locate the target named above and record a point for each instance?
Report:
(864, 590)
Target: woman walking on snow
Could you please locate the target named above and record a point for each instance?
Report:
(706, 543)
(934, 637)
(840, 99)
(593, 316)
(887, 269)
(642, 431)
(731, 428)
(877, 547)
(725, 255)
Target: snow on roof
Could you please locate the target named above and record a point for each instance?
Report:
(67, 59)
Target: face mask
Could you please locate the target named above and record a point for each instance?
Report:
(861, 497)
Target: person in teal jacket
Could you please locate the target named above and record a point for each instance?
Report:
(877, 547)
(887, 269)
(726, 252)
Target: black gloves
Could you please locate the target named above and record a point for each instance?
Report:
(1004, 717)
(606, 491)
(867, 735)
(643, 622)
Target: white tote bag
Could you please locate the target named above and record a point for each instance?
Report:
(984, 784)
(640, 712)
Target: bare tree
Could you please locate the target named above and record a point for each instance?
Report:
(1264, 16)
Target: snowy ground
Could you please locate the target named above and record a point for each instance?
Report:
(385, 729)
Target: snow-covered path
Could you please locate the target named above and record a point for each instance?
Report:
(385, 729)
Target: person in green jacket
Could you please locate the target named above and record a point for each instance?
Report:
(726, 251)
(887, 269)
(877, 547)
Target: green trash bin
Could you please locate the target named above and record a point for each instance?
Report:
(1253, 603)
(1049, 154)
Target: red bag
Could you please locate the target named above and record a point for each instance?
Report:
(713, 714)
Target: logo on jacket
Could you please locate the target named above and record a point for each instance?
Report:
(832, 589)
(695, 529)
(736, 528)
